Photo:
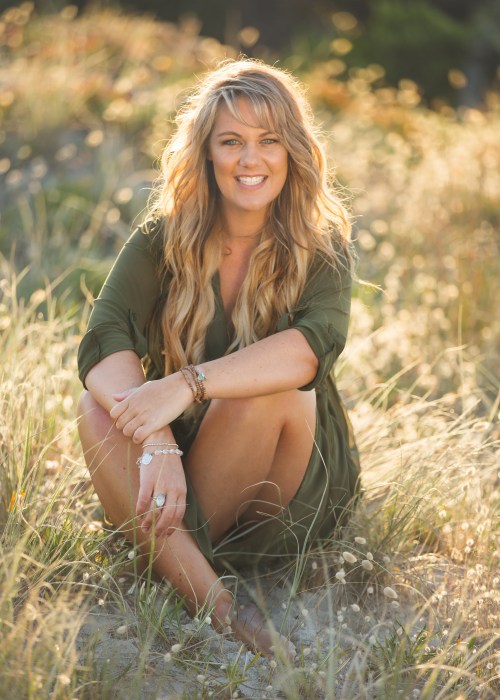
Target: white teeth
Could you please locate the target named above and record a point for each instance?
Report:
(251, 180)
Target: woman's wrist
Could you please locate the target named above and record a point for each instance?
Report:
(163, 436)
(183, 387)
(195, 379)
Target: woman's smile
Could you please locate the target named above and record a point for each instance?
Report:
(252, 182)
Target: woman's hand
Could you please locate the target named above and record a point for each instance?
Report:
(163, 475)
(151, 406)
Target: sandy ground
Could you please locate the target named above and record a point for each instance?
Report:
(317, 622)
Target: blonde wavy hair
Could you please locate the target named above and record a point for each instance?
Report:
(305, 220)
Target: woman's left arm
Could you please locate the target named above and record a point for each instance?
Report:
(277, 363)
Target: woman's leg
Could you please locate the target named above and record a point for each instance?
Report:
(111, 460)
(250, 456)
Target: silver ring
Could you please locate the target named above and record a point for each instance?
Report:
(160, 500)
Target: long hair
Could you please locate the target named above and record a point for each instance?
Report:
(305, 220)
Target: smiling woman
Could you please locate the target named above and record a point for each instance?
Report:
(207, 361)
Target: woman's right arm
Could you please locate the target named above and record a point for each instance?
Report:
(109, 363)
(115, 373)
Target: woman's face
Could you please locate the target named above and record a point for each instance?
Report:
(250, 163)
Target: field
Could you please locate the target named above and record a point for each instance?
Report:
(404, 603)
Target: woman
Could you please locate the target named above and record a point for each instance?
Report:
(236, 296)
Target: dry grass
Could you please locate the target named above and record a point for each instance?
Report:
(405, 602)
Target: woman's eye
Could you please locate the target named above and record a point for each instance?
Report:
(230, 142)
(270, 140)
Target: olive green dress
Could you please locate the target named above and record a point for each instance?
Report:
(126, 316)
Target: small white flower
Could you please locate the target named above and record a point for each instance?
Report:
(314, 566)
(175, 648)
(355, 607)
(369, 590)
(208, 620)
(373, 639)
(122, 629)
(366, 564)
(168, 657)
(369, 556)
(395, 604)
(269, 688)
(86, 576)
(340, 575)
(390, 593)
(349, 557)
(360, 540)
(367, 618)
(100, 602)
(63, 679)
(131, 554)
(200, 678)
(106, 576)
(273, 663)
(304, 612)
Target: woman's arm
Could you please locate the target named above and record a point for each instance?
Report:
(278, 363)
(117, 372)
(123, 371)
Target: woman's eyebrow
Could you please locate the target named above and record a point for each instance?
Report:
(235, 133)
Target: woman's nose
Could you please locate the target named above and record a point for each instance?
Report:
(249, 155)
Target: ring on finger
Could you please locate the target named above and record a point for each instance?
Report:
(160, 500)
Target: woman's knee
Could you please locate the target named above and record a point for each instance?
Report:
(94, 421)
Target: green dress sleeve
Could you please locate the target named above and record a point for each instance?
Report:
(126, 302)
(322, 315)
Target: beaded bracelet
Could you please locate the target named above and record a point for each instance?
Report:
(147, 457)
(195, 379)
(189, 381)
(160, 444)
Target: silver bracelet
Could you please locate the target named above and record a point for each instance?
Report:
(147, 457)
(160, 444)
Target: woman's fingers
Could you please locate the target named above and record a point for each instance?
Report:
(178, 516)
(161, 502)
(164, 519)
(120, 395)
(137, 427)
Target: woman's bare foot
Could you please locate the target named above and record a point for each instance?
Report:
(248, 625)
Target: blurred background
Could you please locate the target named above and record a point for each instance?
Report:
(451, 48)
(405, 92)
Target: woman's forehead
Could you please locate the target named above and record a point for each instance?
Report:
(252, 112)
